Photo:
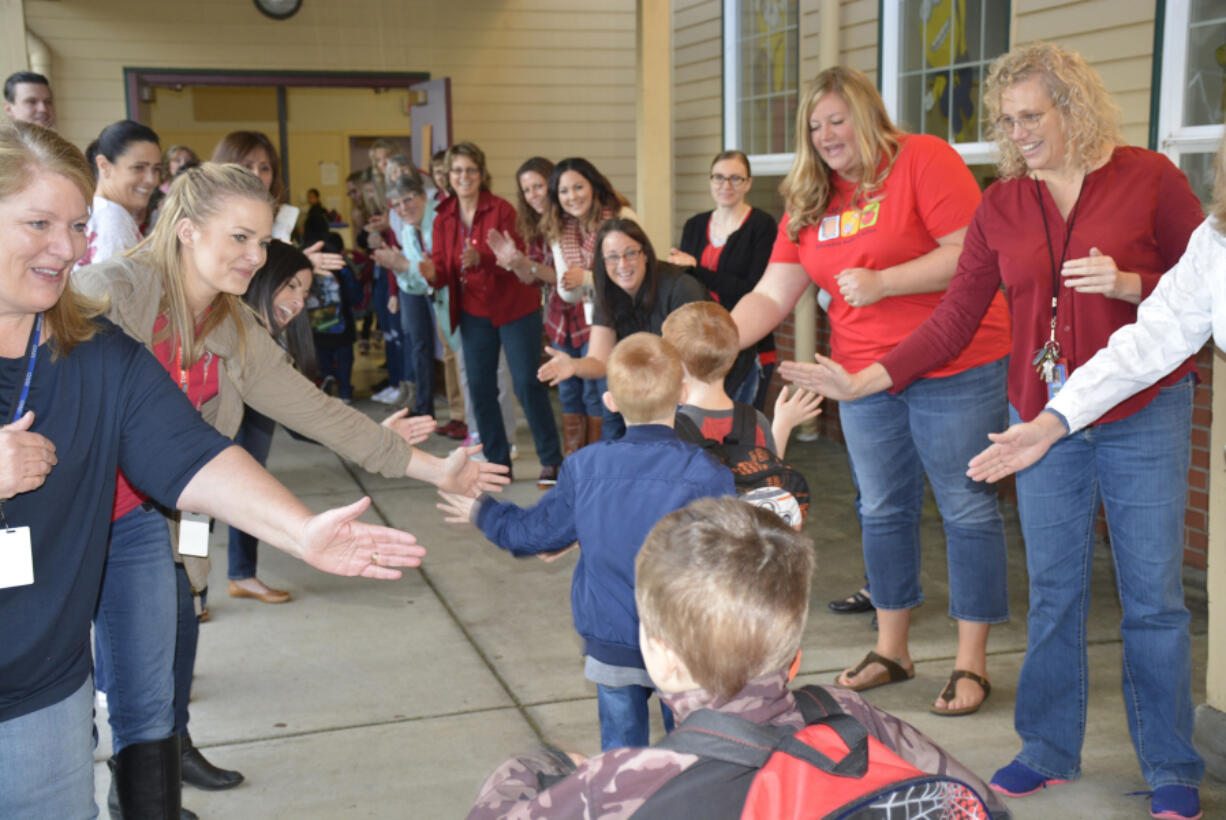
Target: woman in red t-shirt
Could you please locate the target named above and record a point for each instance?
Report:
(876, 217)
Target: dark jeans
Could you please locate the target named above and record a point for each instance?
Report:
(254, 436)
(418, 335)
(337, 362)
(390, 325)
(186, 640)
(481, 343)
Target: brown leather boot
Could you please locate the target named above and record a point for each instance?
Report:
(574, 433)
(594, 423)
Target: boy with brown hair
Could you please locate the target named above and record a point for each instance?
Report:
(608, 497)
(723, 595)
(706, 339)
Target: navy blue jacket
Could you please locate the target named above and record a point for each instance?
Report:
(608, 497)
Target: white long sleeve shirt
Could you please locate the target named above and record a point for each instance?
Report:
(1174, 322)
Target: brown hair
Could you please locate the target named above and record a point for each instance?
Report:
(26, 149)
(705, 337)
(739, 156)
(235, 146)
(606, 201)
(527, 220)
(470, 150)
(644, 375)
(1088, 117)
(725, 585)
(807, 189)
(196, 195)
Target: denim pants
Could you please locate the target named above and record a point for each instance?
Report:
(417, 346)
(47, 760)
(624, 719)
(134, 628)
(578, 396)
(521, 339)
(1138, 468)
(254, 436)
(337, 362)
(187, 638)
(389, 325)
(932, 427)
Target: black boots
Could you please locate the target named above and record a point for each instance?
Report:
(145, 781)
(202, 774)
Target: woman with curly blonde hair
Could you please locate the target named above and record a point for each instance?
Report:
(1079, 230)
(877, 217)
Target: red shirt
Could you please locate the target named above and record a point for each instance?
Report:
(201, 385)
(1137, 209)
(929, 193)
(486, 290)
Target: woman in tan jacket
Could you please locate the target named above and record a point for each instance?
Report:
(178, 294)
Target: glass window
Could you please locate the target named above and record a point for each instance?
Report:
(761, 78)
(934, 57)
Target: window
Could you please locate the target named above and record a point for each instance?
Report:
(761, 80)
(934, 58)
(1192, 92)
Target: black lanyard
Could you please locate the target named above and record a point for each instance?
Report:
(1051, 255)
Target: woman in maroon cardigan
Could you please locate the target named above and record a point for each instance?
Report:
(494, 309)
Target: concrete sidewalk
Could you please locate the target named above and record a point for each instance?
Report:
(365, 699)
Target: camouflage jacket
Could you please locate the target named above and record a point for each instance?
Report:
(613, 785)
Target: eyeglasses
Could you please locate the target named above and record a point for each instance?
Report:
(407, 199)
(1029, 122)
(736, 180)
(465, 172)
(611, 260)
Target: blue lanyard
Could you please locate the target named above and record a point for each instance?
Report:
(35, 336)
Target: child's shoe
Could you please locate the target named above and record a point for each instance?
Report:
(1175, 803)
(1018, 780)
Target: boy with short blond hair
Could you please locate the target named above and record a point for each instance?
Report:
(707, 341)
(723, 595)
(608, 496)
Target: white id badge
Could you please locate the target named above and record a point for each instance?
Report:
(194, 534)
(16, 558)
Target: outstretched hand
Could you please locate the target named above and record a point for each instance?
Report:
(503, 247)
(559, 368)
(1016, 448)
(464, 476)
(413, 429)
(321, 262)
(797, 408)
(335, 541)
(456, 509)
(25, 458)
(825, 376)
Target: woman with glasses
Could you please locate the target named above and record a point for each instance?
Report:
(877, 217)
(727, 250)
(1079, 229)
(493, 309)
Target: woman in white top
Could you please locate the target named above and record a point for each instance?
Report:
(125, 159)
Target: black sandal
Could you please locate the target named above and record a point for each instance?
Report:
(852, 604)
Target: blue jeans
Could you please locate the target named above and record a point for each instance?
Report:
(747, 392)
(579, 396)
(418, 335)
(481, 343)
(623, 716)
(134, 628)
(388, 324)
(187, 637)
(932, 427)
(254, 436)
(337, 362)
(47, 761)
(1138, 468)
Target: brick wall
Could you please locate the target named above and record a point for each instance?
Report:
(1196, 517)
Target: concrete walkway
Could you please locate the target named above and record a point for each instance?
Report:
(365, 699)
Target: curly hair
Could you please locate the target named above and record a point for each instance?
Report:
(527, 220)
(606, 201)
(807, 189)
(1088, 116)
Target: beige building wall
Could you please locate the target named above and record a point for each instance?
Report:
(549, 77)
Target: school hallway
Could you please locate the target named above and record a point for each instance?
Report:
(367, 699)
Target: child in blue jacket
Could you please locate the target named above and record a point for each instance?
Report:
(608, 497)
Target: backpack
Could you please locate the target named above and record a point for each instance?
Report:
(752, 466)
(831, 769)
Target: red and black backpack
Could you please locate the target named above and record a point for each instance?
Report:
(831, 769)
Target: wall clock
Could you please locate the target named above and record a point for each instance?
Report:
(279, 9)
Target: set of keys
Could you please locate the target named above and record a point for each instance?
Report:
(1052, 369)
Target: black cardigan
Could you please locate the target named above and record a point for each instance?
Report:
(742, 262)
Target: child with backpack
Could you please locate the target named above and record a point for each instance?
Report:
(608, 496)
(722, 589)
(735, 433)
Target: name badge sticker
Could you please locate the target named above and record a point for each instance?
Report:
(194, 534)
(16, 558)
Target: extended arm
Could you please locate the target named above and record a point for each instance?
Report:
(562, 366)
(763, 309)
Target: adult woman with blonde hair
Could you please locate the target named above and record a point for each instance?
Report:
(727, 250)
(179, 293)
(94, 400)
(496, 311)
(877, 217)
(1075, 264)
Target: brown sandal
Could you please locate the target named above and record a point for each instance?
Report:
(894, 673)
(951, 691)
